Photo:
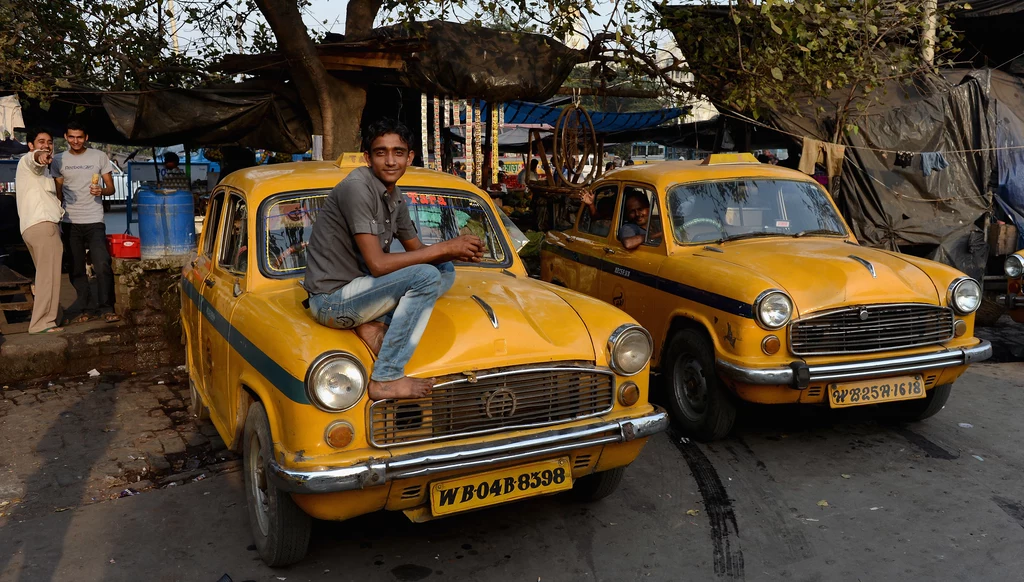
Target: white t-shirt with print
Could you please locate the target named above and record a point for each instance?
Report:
(80, 206)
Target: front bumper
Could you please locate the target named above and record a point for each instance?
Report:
(1011, 301)
(379, 472)
(800, 375)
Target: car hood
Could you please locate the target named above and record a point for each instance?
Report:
(823, 273)
(534, 325)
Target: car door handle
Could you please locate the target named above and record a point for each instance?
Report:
(609, 250)
(209, 282)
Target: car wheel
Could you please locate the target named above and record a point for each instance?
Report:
(280, 528)
(699, 402)
(599, 485)
(919, 408)
(196, 407)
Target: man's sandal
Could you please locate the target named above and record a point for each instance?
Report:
(54, 329)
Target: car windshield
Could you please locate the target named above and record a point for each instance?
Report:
(439, 215)
(757, 207)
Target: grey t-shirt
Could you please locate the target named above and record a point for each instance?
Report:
(77, 170)
(630, 229)
(359, 204)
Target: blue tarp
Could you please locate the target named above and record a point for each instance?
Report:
(1009, 138)
(524, 113)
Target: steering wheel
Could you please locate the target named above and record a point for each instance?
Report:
(683, 231)
(294, 249)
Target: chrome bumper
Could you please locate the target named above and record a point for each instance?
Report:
(374, 472)
(799, 374)
(1011, 301)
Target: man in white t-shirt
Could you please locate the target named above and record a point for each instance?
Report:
(83, 174)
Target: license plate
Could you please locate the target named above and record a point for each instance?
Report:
(876, 391)
(500, 486)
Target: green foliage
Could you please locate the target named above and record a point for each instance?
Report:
(787, 55)
(52, 45)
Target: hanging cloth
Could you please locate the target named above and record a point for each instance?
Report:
(829, 155)
(933, 162)
(903, 159)
(10, 116)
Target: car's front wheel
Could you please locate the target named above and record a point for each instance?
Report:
(599, 485)
(919, 408)
(699, 402)
(280, 527)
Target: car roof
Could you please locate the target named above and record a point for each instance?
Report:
(259, 182)
(665, 174)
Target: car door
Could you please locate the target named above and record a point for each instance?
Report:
(221, 289)
(629, 277)
(195, 274)
(590, 238)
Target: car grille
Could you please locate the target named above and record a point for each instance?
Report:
(492, 402)
(884, 327)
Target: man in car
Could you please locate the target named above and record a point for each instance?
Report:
(637, 214)
(354, 282)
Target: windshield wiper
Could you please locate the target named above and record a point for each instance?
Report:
(817, 231)
(755, 234)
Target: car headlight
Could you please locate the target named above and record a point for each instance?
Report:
(629, 349)
(335, 382)
(964, 295)
(1014, 266)
(773, 309)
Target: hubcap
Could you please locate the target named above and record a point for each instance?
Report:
(258, 484)
(690, 387)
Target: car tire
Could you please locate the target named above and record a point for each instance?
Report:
(920, 408)
(599, 485)
(196, 407)
(699, 402)
(281, 529)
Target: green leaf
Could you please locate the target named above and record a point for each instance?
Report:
(775, 27)
(736, 18)
(872, 29)
(777, 73)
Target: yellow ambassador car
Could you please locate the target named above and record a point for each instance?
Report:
(752, 286)
(1014, 298)
(540, 389)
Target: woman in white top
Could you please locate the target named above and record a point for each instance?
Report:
(40, 213)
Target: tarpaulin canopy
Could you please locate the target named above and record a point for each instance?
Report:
(250, 114)
(975, 119)
(523, 113)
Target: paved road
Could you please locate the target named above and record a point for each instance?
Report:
(792, 496)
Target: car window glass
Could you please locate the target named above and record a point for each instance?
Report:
(234, 246)
(712, 211)
(212, 223)
(443, 215)
(654, 231)
(288, 224)
(599, 224)
(638, 215)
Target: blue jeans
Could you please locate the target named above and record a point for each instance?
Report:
(403, 299)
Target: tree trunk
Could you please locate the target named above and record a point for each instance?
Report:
(335, 106)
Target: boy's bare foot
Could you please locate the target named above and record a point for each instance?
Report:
(404, 387)
(373, 334)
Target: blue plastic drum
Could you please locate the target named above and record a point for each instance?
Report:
(166, 223)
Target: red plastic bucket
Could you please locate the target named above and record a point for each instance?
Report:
(124, 246)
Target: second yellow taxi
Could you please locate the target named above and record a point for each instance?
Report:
(753, 287)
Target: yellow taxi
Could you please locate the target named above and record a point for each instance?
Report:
(1014, 298)
(540, 389)
(753, 286)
